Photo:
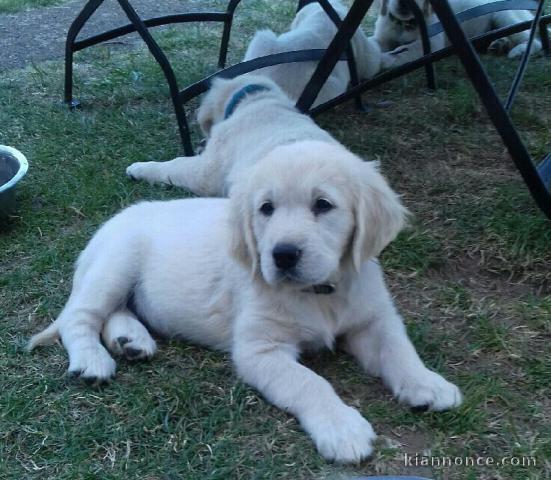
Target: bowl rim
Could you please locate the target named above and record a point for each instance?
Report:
(23, 167)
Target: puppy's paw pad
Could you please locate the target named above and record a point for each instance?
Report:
(140, 348)
(135, 354)
(116, 346)
(344, 437)
(95, 381)
(132, 353)
(129, 338)
(420, 408)
(430, 392)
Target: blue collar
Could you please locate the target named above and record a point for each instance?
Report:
(240, 95)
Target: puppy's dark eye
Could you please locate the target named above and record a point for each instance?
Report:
(267, 208)
(322, 205)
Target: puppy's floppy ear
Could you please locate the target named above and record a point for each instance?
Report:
(209, 111)
(242, 242)
(379, 215)
(205, 120)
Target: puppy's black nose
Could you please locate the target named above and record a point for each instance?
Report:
(286, 255)
(404, 7)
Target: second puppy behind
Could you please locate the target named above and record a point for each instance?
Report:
(244, 120)
(312, 29)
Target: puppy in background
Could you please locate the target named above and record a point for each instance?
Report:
(312, 29)
(244, 119)
(396, 26)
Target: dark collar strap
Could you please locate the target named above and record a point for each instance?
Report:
(321, 289)
(240, 95)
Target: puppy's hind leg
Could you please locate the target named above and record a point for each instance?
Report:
(125, 335)
(78, 327)
(517, 42)
(101, 284)
(191, 173)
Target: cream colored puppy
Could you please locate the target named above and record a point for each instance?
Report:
(396, 26)
(244, 119)
(286, 264)
(312, 29)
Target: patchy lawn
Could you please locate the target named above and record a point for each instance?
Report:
(12, 6)
(471, 276)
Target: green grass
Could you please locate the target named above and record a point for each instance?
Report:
(470, 276)
(13, 6)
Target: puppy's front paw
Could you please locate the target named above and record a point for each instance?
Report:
(500, 46)
(343, 436)
(429, 391)
(140, 171)
(94, 365)
(394, 58)
(387, 61)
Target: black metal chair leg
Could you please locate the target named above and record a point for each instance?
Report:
(493, 105)
(425, 41)
(183, 127)
(228, 22)
(351, 59)
(333, 53)
(75, 28)
(524, 61)
(355, 80)
(163, 62)
(544, 37)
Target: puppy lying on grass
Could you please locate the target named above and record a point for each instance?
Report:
(396, 25)
(287, 264)
(244, 119)
(312, 29)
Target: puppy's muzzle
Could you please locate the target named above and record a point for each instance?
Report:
(286, 256)
(404, 9)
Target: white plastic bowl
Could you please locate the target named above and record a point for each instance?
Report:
(13, 167)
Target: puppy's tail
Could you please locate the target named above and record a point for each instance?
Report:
(45, 337)
(263, 43)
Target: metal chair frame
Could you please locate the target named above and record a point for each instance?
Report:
(536, 177)
(140, 26)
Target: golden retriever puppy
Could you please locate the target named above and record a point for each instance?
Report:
(396, 26)
(286, 264)
(244, 119)
(311, 29)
